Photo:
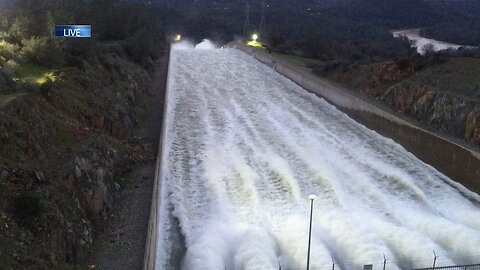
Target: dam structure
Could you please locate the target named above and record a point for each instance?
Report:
(244, 147)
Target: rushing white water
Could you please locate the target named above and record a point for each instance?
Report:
(245, 147)
(419, 42)
(205, 44)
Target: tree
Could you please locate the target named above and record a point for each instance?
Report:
(428, 49)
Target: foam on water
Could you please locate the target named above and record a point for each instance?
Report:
(244, 148)
(183, 45)
(419, 42)
(205, 44)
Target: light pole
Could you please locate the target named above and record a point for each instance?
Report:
(312, 198)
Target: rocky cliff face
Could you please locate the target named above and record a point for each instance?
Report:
(64, 148)
(446, 112)
(445, 97)
(372, 80)
(472, 127)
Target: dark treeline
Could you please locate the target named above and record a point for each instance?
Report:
(452, 21)
(352, 29)
(28, 29)
(458, 33)
(304, 28)
(340, 34)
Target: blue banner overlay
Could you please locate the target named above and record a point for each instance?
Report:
(73, 31)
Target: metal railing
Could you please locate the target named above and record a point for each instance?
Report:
(456, 267)
(334, 267)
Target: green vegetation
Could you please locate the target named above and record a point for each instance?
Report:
(65, 136)
(457, 76)
(342, 34)
(5, 99)
(33, 73)
(30, 54)
(303, 29)
(298, 60)
(68, 108)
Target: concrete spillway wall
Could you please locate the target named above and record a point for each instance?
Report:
(149, 259)
(456, 161)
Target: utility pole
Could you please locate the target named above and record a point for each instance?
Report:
(246, 26)
(263, 22)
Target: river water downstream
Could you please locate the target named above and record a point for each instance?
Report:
(419, 42)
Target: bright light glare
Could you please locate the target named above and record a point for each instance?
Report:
(254, 43)
(178, 37)
(254, 37)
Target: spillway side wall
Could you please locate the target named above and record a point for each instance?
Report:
(150, 252)
(456, 161)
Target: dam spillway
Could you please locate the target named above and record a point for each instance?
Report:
(243, 149)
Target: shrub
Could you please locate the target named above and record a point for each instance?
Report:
(142, 48)
(9, 68)
(19, 29)
(428, 48)
(42, 50)
(6, 82)
(329, 66)
(8, 50)
(428, 60)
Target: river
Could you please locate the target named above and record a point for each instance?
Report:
(419, 42)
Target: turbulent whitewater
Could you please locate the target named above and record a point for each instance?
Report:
(244, 147)
(419, 42)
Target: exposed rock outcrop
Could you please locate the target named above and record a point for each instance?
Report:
(444, 97)
(442, 111)
(63, 151)
(472, 129)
